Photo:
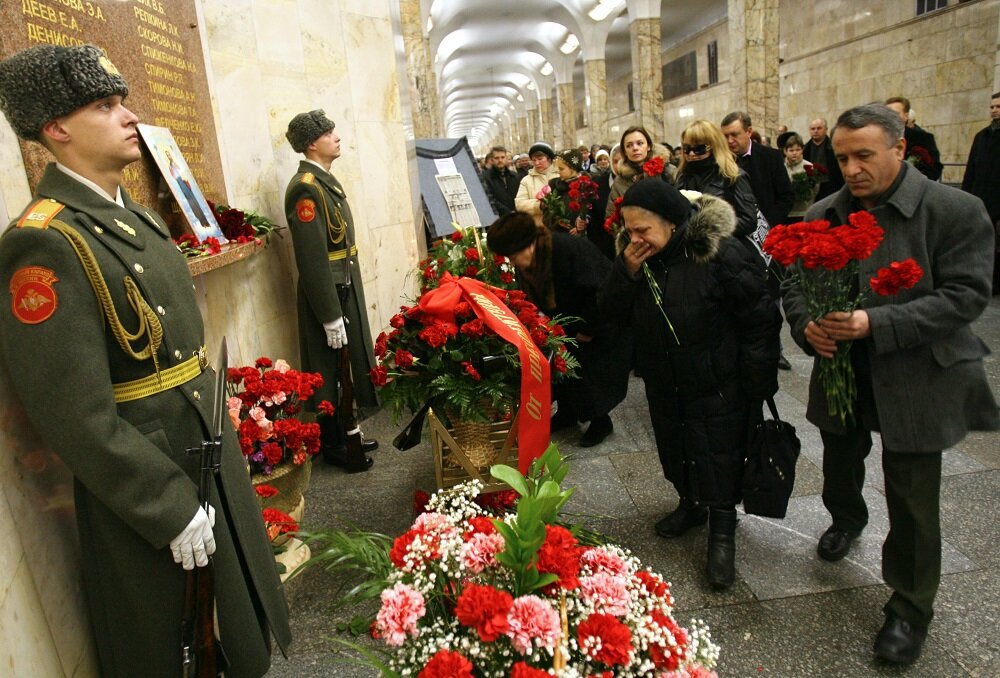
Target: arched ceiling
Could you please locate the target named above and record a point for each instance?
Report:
(491, 56)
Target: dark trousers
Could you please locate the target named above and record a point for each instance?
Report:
(911, 554)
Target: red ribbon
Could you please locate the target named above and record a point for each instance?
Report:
(533, 424)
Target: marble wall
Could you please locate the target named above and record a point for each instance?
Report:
(266, 61)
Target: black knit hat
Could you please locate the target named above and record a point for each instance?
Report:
(306, 128)
(511, 233)
(660, 198)
(572, 157)
(541, 147)
(45, 82)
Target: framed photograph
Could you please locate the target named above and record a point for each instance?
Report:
(181, 181)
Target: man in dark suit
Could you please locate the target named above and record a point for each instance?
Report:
(501, 181)
(982, 176)
(819, 151)
(766, 168)
(929, 163)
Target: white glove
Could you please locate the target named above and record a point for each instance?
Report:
(336, 333)
(196, 543)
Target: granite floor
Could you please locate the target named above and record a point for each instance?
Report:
(789, 613)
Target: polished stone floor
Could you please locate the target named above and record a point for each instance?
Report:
(789, 613)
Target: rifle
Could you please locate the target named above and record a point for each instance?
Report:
(201, 654)
(345, 408)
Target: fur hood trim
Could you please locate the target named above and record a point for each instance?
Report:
(712, 221)
(626, 170)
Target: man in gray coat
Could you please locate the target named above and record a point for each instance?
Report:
(919, 367)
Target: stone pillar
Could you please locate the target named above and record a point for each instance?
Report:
(533, 129)
(419, 73)
(595, 76)
(647, 74)
(753, 53)
(522, 131)
(549, 124)
(567, 115)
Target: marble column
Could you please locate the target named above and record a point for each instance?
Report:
(647, 74)
(567, 115)
(753, 53)
(423, 83)
(522, 131)
(549, 124)
(595, 76)
(533, 129)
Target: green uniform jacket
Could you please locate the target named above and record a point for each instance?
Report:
(324, 253)
(136, 487)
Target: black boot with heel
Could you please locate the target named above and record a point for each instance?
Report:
(721, 547)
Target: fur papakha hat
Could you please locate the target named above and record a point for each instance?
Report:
(511, 233)
(45, 82)
(306, 128)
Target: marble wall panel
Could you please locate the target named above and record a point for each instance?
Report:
(30, 649)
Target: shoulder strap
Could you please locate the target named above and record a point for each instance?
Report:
(40, 214)
(774, 408)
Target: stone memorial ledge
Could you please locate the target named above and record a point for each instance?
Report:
(230, 254)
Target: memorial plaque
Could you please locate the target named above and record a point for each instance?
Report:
(157, 47)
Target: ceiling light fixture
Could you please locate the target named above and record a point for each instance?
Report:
(603, 9)
(520, 97)
(572, 42)
(546, 69)
(430, 24)
(531, 86)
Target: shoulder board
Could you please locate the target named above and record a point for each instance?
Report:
(308, 178)
(40, 214)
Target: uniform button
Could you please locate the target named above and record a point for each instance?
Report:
(98, 229)
(138, 268)
(196, 395)
(178, 354)
(161, 310)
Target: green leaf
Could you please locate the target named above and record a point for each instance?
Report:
(511, 476)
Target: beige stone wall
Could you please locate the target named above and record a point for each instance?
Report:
(709, 102)
(943, 62)
(267, 60)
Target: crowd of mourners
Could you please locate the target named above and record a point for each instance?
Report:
(663, 271)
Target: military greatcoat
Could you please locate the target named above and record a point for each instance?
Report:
(326, 254)
(136, 488)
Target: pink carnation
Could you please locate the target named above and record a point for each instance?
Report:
(696, 671)
(533, 619)
(277, 398)
(402, 607)
(546, 189)
(599, 559)
(281, 366)
(480, 552)
(608, 593)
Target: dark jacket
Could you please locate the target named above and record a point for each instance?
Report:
(579, 272)
(918, 136)
(704, 176)
(769, 181)
(502, 186)
(823, 155)
(136, 487)
(927, 371)
(702, 387)
(595, 229)
(982, 172)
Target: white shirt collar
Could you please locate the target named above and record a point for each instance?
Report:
(117, 199)
(749, 148)
(313, 162)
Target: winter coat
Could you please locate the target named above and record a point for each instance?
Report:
(927, 371)
(708, 179)
(595, 229)
(982, 172)
(917, 136)
(822, 154)
(502, 186)
(703, 386)
(529, 188)
(135, 485)
(629, 173)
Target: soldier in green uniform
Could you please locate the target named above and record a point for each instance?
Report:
(104, 344)
(331, 298)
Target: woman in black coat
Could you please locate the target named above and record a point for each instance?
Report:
(706, 344)
(562, 275)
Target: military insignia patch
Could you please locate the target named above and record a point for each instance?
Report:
(125, 227)
(108, 67)
(33, 299)
(306, 210)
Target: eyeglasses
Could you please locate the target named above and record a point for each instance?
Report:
(700, 149)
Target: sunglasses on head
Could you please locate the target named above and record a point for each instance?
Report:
(700, 149)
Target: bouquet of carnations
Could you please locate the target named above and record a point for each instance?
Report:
(471, 595)
(823, 263)
(806, 183)
(465, 253)
(263, 403)
(921, 158)
(190, 246)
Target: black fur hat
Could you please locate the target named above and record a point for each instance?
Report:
(306, 128)
(45, 82)
(511, 233)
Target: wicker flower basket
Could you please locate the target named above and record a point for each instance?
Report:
(468, 449)
(290, 480)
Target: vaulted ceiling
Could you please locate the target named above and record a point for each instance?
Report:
(492, 57)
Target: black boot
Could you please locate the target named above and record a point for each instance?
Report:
(721, 547)
(681, 519)
(333, 446)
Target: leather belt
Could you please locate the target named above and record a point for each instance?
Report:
(164, 381)
(342, 254)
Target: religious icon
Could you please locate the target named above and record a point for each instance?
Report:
(182, 183)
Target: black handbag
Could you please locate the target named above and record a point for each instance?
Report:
(769, 473)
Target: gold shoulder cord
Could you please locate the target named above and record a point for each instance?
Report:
(336, 233)
(149, 324)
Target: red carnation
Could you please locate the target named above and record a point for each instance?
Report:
(397, 320)
(559, 364)
(379, 376)
(381, 344)
(522, 670)
(325, 408)
(272, 453)
(284, 522)
(485, 609)
(539, 335)
(401, 546)
(447, 664)
(506, 278)
(472, 254)
(899, 275)
(434, 336)
(574, 206)
(605, 639)
(560, 555)
(474, 328)
(653, 167)
(429, 273)
(420, 499)
(653, 584)
(471, 271)
(479, 525)
(456, 236)
(266, 491)
(263, 362)
(463, 309)
(403, 358)
(499, 259)
(471, 371)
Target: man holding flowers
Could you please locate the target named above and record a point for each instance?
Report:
(918, 366)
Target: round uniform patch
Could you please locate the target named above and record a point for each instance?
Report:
(33, 299)
(305, 209)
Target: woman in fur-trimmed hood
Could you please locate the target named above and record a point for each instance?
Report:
(637, 149)
(705, 332)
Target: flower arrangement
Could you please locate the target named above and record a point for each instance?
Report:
(276, 522)
(190, 246)
(238, 226)
(263, 403)
(806, 183)
(823, 262)
(920, 157)
(465, 253)
(463, 365)
(563, 210)
(468, 595)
